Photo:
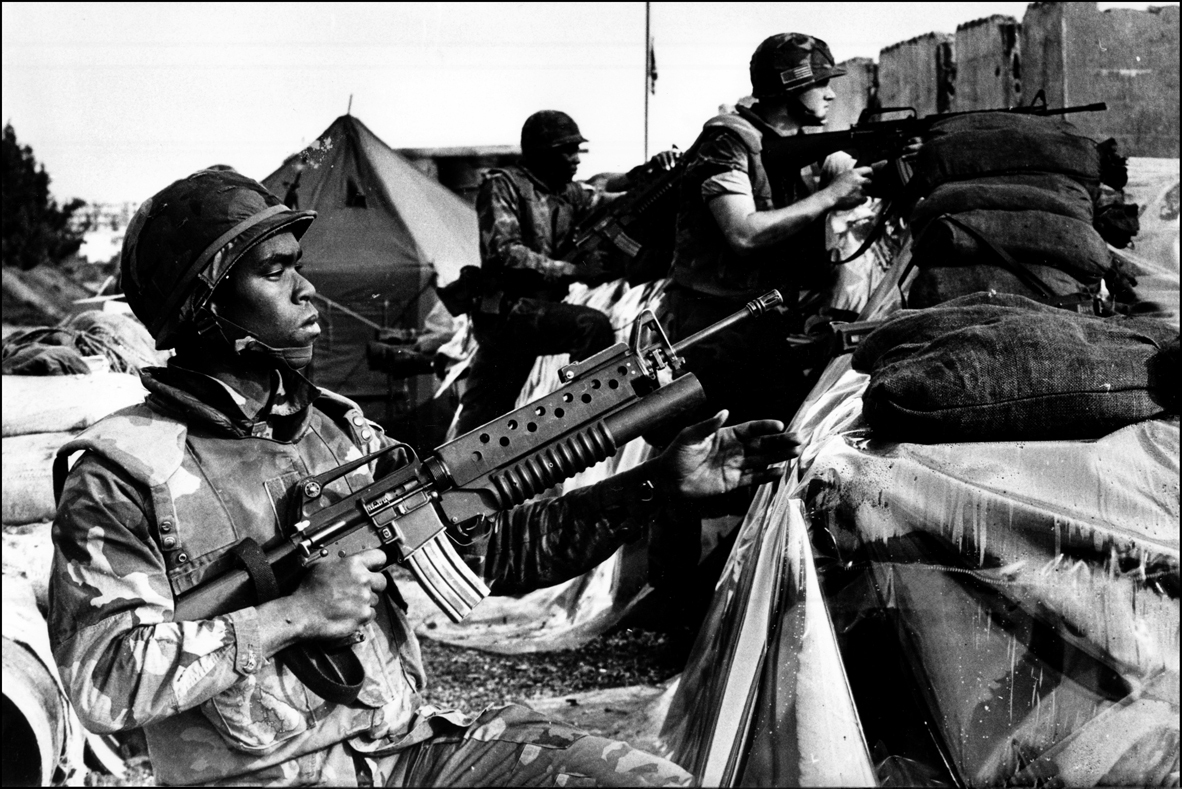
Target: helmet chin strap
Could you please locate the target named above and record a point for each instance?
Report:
(803, 113)
(240, 340)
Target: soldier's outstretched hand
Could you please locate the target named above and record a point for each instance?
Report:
(707, 459)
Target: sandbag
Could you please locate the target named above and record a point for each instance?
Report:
(28, 554)
(989, 152)
(1017, 374)
(27, 476)
(1003, 121)
(907, 331)
(47, 404)
(1031, 238)
(941, 284)
(957, 198)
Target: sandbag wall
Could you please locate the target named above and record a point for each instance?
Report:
(1006, 196)
(40, 413)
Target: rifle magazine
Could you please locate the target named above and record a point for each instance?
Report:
(446, 579)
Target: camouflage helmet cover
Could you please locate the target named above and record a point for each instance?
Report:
(183, 241)
(787, 63)
(549, 129)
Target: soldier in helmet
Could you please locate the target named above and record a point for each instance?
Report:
(166, 493)
(527, 214)
(742, 230)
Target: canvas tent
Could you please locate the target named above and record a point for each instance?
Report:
(384, 234)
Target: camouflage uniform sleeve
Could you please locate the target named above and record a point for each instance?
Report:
(544, 543)
(123, 661)
(498, 212)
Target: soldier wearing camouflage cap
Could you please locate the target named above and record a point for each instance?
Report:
(166, 493)
(742, 230)
(527, 214)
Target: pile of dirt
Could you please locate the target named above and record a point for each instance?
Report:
(39, 297)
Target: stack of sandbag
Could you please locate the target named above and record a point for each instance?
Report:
(1008, 204)
(40, 413)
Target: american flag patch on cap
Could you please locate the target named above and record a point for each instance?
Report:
(803, 71)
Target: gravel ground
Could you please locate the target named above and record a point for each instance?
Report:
(470, 680)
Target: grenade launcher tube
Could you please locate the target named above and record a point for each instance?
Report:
(666, 405)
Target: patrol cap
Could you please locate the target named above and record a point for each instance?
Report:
(790, 62)
(549, 129)
(183, 241)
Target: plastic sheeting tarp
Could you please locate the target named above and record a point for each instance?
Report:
(764, 698)
(1153, 185)
(1035, 588)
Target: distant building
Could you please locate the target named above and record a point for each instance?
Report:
(460, 168)
(103, 226)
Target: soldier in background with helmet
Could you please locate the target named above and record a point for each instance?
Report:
(169, 493)
(742, 231)
(527, 215)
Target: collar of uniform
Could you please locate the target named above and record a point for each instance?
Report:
(219, 402)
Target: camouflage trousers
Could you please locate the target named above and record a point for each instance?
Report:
(515, 746)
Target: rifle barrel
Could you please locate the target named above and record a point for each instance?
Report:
(1098, 106)
(753, 308)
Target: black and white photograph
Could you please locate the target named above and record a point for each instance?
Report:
(591, 394)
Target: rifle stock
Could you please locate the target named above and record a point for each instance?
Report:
(605, 401)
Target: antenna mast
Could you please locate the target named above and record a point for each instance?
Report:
(648, 66)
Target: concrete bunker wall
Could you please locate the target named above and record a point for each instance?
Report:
(1074, 52)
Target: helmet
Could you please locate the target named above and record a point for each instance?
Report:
(788, 63)
(549, 129)
(183, 241)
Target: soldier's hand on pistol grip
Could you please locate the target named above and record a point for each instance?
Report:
(849, 188)
(339, 596)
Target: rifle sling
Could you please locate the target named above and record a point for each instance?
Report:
(1071, 301)
(334, 674)
(875, 234)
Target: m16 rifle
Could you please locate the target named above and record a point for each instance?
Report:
(871, 140)
(605, 401)
(633, 235)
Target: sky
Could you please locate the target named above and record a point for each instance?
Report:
(118, 100)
